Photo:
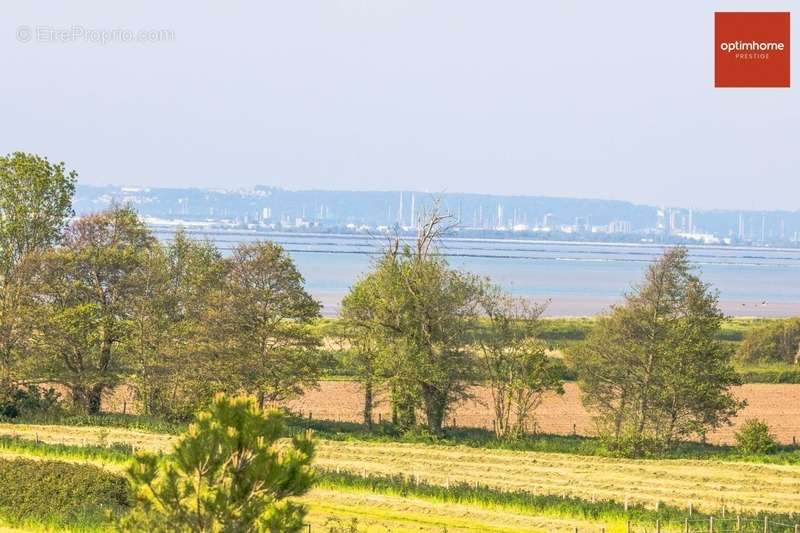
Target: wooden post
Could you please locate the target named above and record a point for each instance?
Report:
(575, 530)
(723, 511)
(628, 526)
(766, 525)
(626, 504)
(794, 440)
(738, 522)
(309, 415)
(658, 526)
(710, 524)
(574, 429)
(37, 438)
(309, 528)
(797, 528)
(690, 508)
(686, 525)
(380, 418)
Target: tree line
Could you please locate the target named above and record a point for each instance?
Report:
(95, 302)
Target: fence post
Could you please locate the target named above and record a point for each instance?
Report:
(797, 528)
(710, 524)
(380, 418)
(626, 504)
(723, 510)
(766, 525)
(574, 429)
(690, 508)
(628, 525)
(658, 526)
(738, 523)
(686, 525)
(575, 530)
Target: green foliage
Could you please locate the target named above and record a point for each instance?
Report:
(258, 325)
(774, 341)
(68, 492)
(28, 401)
(35, 202)
(226, 473)
(84, 291)
(514, 362)
(416, 314)
(754, 437)
(653, 369)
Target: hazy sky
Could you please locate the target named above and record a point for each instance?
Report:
(564, 98)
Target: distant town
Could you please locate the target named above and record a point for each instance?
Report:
(474, 215)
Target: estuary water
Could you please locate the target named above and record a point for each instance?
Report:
(576, 279)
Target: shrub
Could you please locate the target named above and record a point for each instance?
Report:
(226, 473)
(755, 438)
(28, 401)
(777, 341)
(60, 491)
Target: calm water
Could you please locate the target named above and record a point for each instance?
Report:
(577, 278)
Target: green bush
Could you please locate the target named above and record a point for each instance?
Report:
(754, 438)
(60, 492)
(28, 401)
(776, 341)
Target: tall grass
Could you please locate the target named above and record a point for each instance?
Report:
(523, 502)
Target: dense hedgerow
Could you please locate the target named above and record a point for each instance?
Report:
(61, 492)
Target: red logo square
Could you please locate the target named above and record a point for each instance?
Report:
(751, 49)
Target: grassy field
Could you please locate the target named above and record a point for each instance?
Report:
(706, 484)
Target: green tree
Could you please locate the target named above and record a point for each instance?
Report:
(172, 369)
(420, 312)
(228, 472)
(652, 368)
(35, 202)
(515, 363)
(361, 347)
(259, 323)
(85, 289)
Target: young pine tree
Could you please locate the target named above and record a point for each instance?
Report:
(227, 473)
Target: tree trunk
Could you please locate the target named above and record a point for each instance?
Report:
(368, 401)
(435, 407)
(93, 399)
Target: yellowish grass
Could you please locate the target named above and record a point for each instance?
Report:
(708, 485)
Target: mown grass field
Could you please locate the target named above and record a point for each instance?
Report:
(707, 484)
